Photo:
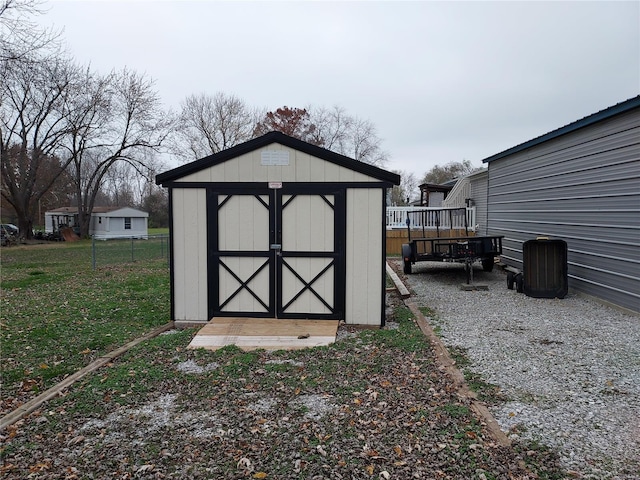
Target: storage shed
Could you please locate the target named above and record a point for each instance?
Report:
(278, 228)
(581, 184)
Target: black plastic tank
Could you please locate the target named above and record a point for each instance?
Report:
(544, 269)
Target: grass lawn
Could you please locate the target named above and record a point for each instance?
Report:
(58, 314)
(158, 231)
(374, 405)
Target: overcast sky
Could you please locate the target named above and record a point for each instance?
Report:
(441, 81)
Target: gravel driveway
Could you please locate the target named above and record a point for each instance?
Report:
(570, 368)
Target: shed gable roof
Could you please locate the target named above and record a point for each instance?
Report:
(277, 137)
(617, 109)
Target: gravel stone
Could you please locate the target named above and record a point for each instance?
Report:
(569, 368)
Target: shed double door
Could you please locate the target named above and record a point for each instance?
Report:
(277, 252)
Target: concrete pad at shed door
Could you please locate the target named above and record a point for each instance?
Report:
(265, 333)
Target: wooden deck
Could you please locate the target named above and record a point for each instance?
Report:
(266, 333)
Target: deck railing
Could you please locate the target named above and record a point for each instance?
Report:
(431, 218)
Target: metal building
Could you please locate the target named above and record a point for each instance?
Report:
(278, 228)
(579, 183)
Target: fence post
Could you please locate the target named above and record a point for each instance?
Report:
(93, 251)
(132, 259)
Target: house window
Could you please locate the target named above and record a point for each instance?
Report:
(127, 223)
(99, 219)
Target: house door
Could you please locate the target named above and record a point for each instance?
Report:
(277, 252)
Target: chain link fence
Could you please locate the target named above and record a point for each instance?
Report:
(130, 249)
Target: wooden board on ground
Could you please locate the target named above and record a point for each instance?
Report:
(267, 333)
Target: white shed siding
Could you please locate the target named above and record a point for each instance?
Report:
(189, 243)
(308, 245)
(302, 168)
(582, 187)
(364, 258)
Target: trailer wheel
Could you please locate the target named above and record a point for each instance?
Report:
(519, 283)
(487, 264)
(510, 280)
(407, 267)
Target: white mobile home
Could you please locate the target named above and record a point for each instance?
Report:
(106, 222)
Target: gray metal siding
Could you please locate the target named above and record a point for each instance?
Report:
(584, 188)
(479, 196)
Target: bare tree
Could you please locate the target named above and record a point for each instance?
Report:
(20, 37)
(443, 173)
(119, 185)
(208, 124)
(33, 113)
(363, 143)
(332, 129)
(125, 120)
(155, 201)
(404, 193)
(351, 136)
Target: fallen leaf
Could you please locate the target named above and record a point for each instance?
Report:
(8, 467)
(145, 468)
(260, 475)
(39, 467)
(76, 440)
(398, 450)
(370, 469)
(44, 366)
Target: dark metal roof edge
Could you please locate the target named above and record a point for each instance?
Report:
(287, 141)
(617, 109)
(439, 186)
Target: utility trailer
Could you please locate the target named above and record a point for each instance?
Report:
(449, 244)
